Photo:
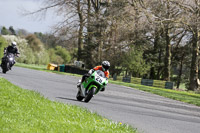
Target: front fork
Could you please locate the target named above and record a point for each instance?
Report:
(81, 89)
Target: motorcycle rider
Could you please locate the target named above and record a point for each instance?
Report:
(12, 49)
(104, 67)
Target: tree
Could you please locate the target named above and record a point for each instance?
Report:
(37, 47)
(34, 43)
(3, 44)
(134, 63)
(162, 35)
(192, 10)
(22, 32)
(196, 43)
(4, 31)
(72, 11)
(62, 52)
(80, 33)
(12, 31)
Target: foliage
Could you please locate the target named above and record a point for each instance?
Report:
(40, 54)
(134, 63)
(54, 58)
(3, 44)
(27, 54)
(34, 43)
(59, 55)
(12, 31)
(27, 111)
(62, 52)
(106, 30)
(49, 40)
(4, 31)
(22, 32)
(33, 51)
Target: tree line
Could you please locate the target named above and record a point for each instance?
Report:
(157, 39)
(35, 48)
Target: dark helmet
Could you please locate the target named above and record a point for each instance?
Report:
(105, 65)
(14, 44)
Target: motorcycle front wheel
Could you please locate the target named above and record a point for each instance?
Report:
(4, 68)
(89, 95)
(4, 71)
(79, 97)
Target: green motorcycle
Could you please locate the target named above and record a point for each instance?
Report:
(91, 86)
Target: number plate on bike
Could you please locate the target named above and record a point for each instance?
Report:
(99, 79)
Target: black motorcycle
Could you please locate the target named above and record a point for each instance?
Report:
(7, 62)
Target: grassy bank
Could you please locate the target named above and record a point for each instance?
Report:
(27, 111)
(184, 96)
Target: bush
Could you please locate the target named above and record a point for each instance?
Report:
(39, 52)
(62, 52)
(53, 57)
(3, 44)
(133, 61)
(28, 55)
(34, 43)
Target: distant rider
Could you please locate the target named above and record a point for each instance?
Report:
(12, 49)
(104, 67)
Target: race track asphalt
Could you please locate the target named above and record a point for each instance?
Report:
(147, 112)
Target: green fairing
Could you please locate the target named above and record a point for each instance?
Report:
(91, 86)
(87, 85)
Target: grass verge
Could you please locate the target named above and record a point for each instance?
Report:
(184, 96)
(187, 97)
(27, 111)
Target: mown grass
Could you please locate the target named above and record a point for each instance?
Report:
(184, 96)
(27, 111)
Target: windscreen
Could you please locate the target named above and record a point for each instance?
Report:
(101, 73)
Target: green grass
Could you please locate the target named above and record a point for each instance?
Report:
(27, 111)
(184, 96)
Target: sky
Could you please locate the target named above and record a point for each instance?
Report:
(11, 15)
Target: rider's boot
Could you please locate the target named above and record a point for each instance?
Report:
(79, 84)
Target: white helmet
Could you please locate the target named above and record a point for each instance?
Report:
(14, 44)
(105, 65)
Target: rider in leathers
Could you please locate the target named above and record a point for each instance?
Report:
(11, 49)
(104, 67)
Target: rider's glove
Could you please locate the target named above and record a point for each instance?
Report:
(91, 71)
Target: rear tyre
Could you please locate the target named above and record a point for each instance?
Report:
(89, 95)
(79, 97)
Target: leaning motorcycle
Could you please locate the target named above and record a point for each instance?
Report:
(7, 62)
(91, 86)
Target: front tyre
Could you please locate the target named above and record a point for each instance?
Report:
(89, 95)
(4, 71)
(79, 97)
